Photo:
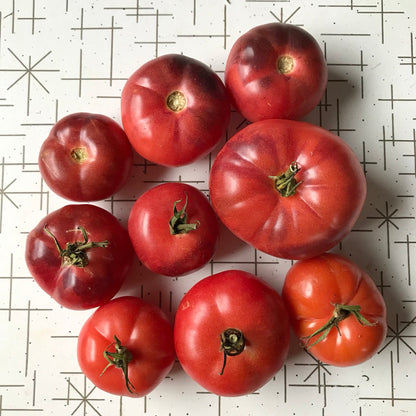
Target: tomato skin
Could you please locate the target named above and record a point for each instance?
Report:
(164, 136)
(319, 215)
(80, 287)
(143, 329)
(149, 231)
(311, 289)
(80, 148)
(259, 90)
(231, 299)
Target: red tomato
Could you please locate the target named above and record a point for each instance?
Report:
(86, 157)
(80, 255)
(276, 70)
(335, 309)
(126, 347)
(288, 188)
(231, 333)
(174, 110)
(173, 228)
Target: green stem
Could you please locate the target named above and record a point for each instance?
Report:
(74, 254)
(119, 359)
(340, 313)
(178, 223)
(232, 344)
(286, 183)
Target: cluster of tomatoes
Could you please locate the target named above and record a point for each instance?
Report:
(286, 187)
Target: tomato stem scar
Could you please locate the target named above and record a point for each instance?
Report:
(286, 183)
(120, 359)
(232, 343)
(176, 101)
(285, 64)
(74, 254)
(340, 313)
(79, 154)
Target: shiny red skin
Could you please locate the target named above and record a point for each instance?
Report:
(106, 167)
(156, 247)
(311, 289)
(258, 89)
(143, 329)
(171, 138)
(231, 299)
(80, 287)
(325, 206)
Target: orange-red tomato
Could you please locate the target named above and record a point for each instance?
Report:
(335, 309)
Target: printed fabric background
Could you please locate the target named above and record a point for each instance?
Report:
(63, 56)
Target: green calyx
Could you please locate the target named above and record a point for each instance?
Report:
(340, 313)
(178, 223)
(286, 183)
(74, 254)
(120, 358)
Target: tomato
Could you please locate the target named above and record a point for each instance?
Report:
(173, 228)
(174, 110)
(80, 148)
(289, 188)
(335, 309)
(80, 255)
(231, 333)
(276, 70)
(126, 347)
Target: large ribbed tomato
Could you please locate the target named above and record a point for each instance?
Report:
(288, 188)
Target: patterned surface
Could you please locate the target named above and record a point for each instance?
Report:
(62, 56)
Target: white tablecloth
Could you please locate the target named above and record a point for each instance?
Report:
(64, 56)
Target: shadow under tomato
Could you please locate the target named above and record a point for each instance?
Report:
(344, 90)
(232, 249)
(144, 175)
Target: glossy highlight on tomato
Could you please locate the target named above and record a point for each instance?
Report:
(336, 310)
(80, 255)
(126, 347)
(231, 333)
(276, 70)
(86, 157)
(289, 188)
(174, 110)
(173, 229)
